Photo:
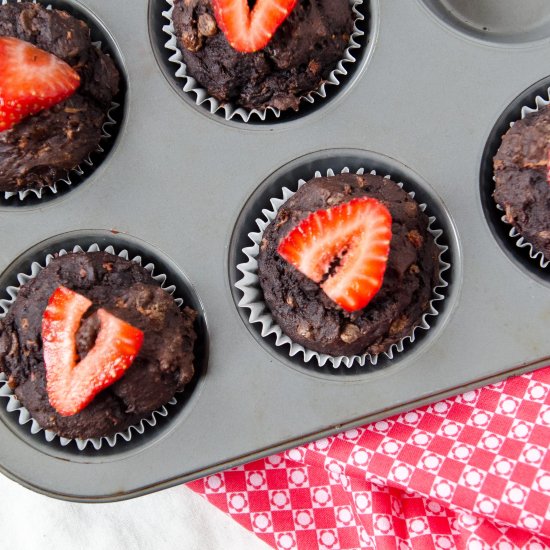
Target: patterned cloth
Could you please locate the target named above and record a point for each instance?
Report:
(469, 472)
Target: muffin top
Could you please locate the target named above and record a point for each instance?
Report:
(40, 149)
(300, 55)
(163, 366)
(522, 186)
(305, 312)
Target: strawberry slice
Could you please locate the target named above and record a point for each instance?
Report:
(71, 386)
(31, 80)
(350, 243)
(248, 31)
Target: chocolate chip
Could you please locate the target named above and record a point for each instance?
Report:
(509, 214)
(350, 333)
(304, 330)
(207, 25)
(314, 66)
(415, 238)
(282, 218)
(191, 40)
(411, 209)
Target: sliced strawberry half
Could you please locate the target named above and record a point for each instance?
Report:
(31, 80)
(71, 386)
(250, 31)
(350, 243)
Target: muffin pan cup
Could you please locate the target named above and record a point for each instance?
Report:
(252, 295)
(113, 119)
(186, 186)
(24, 417)
(512, 242)
(498, 22)
(540, 102)
(230, 111)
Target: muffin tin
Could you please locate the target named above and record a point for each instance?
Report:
(425, 103)
(174, 66)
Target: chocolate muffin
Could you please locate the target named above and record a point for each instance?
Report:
(43, 147)
(163, 366)
(299, 57)
(522, 186)
(303, 310)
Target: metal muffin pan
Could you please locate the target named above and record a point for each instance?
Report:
(181, 187)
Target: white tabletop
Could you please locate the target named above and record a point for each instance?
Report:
(175, 518)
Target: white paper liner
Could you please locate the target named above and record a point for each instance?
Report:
(202, 96)
(15, 406)
(253, 300)
(110, 121)
(521, 242)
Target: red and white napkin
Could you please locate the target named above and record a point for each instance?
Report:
(468, 472)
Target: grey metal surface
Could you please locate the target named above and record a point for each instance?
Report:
(179, 179)
(500, 21)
